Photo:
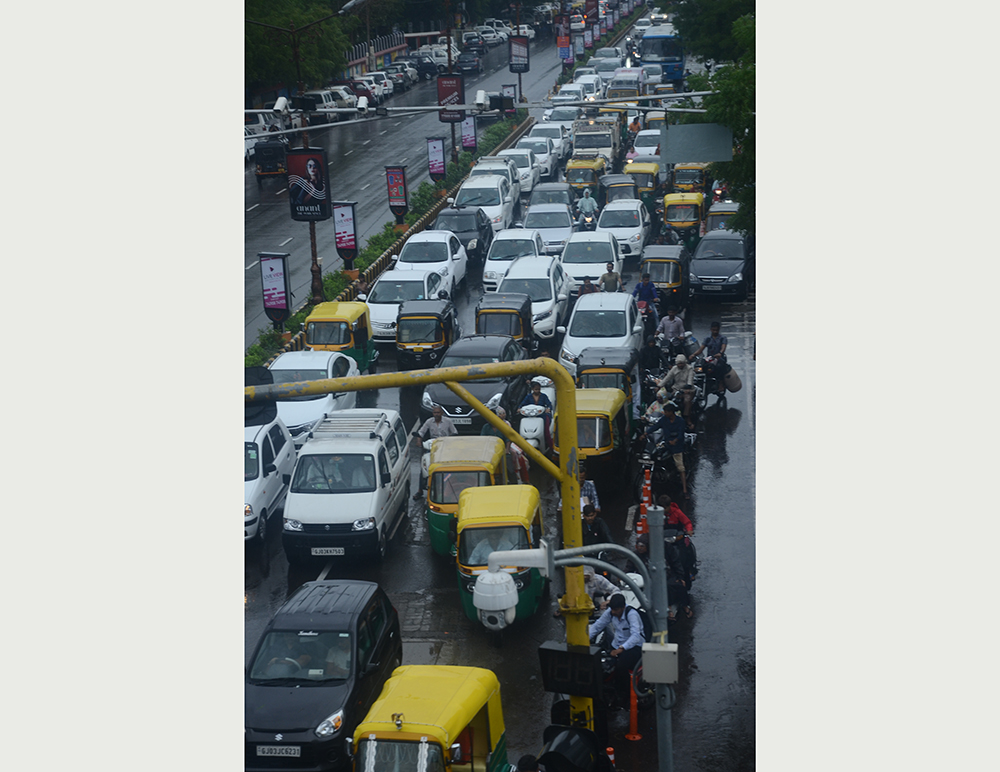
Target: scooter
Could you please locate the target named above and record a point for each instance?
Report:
(532, 426)
(587, 222)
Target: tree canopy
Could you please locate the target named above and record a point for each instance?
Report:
(706, 26)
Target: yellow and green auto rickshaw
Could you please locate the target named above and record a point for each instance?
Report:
(603, 431)
(457, 463)
(434, 718)
(424, 331)
(503, 517)
(655, 119)
(506, 313)
(685, 212)
(669, 268)
(614, 367)
(344, 327)
(618, 187)
(690, 178)
(583, 171)
(647, 179)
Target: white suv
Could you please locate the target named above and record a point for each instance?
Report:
(268, 459)
(350, 487)
(600, 319)
(543, 280)
(490, 192)
(587, 253)
(507, 246)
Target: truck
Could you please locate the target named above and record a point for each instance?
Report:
(601, 135)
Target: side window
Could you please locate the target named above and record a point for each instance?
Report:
(364, 643)
(455, 245)
(277, 438)
(400, 433)
(341, 367)
(433, 282)
(376, 619)
(267, 452)
(390, 443)
(539, 245)
(383, 467)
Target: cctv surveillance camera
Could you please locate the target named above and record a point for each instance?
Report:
(363, 105)
(481, 101)
(281, 106)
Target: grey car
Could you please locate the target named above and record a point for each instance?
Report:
(554, 222)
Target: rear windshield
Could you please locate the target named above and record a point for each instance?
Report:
(447, 485)
(498, 324)
(418, 331)
(587, 252)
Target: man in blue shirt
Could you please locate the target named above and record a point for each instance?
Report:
(715, 346)
(626, 639)
(673, 433)
(646, 290)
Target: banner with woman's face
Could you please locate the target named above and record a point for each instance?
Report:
(308, 184)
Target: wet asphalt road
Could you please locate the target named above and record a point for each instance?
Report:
(714, 719)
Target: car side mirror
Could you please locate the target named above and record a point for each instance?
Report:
(286, 479)
(562, 296)
(393, 258)
(387, 481)
(269, 469)
(443, 295)
(362, 297)
(561, 329)
(507, 199)
(637, 328)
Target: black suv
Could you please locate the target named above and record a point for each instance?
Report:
(423, 64)
(317, 669)
(467, 223)
(469, 62)
(504, 392)
(723, 266)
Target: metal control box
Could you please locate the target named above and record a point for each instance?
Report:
(659, 663)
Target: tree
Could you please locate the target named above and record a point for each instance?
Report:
(706, 26)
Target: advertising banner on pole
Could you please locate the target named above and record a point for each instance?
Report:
(604, 27)
(308, 184)
(588, 38)
(395, 181)
(345, 232)
(578, 44)
(435, 158)
(509, 91)
(469, 134)
(519, 54)
(565, 47)
(274, 285)
(591, 11)
(451, 91)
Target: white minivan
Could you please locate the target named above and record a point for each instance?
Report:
(490, 192)
(600, 319)
(350, 487)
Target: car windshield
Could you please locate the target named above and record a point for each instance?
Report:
(456, 223)
(647, 140)
(522, 160)
(564, 114)
(467, 57)
(447, 484)
(606, 66)
(424, 252)
(555, 132)
(478, 197)
(457, 360)
(476, 544)
(663, 272)
(396, 291)
(306, 656)
(542, 220)
(643, 180)
(508, 249)
(537, 289)
(660, 49)
(293, 375)
(327, 473)
(587, 252)
(540, 147)
(418, 331)
(593, 139)
(580, 175)
(328, 333)
(600, 323)
(621, 193)
(251, 464)
(682, 213)
(619, 218)
(549, 197)
(482, 171)
(405, 756)
(724, 249)
(652, 70)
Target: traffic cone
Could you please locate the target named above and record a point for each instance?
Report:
(611, 754)
(645, 501)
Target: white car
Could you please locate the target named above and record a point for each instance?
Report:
(528, 167)
(249, 141)
(387, 85)
(628, 221)
(593, 86)
(544, 151)
(587, 253)
(490, 35)
(571, 91)
(506, 168)
(543, 280)
(644, 149)
(527, 31)
(554, 222)
(654, 75)
(577, 23)
(565, 115)
(490, 192)
(438, 251)
(559, 136)
(643, 24)
(301, 414)
(378, 89)
(600, 319)
(507, 246)
(391, 290)
(268, 455)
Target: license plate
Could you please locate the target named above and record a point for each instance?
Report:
(714, 287)
(465, 421)
(279, 750)
(326, 551)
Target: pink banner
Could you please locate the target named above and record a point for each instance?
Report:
(435, 157)
(343, 219)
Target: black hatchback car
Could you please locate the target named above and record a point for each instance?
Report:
(468, 223)
(469, 61)
(503, 392)
(723, 266)
(317, 669)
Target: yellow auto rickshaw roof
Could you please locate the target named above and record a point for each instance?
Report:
(683, 198)
(603, 401)
(437, 701)
(691, 166)
(498, 503)
(467, 451)
(343, 311)
(643, 168)
(585, 163)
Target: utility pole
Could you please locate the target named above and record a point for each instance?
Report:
(451, 71)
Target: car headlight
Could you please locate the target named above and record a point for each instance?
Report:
(544, 315)
(442, 271)
(494, 401)
(692, 277)
(498, 218)
(490, 275)
(292, 525)
(567, 355)
(735, 278)
(363, 524)
(634, 238)
(247, 510)
(426, 401)
(329, 725)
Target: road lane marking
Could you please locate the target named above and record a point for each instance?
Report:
(286, 241)
(253, 207)
(398, 123)
(283, 190)
(348, 153)
(404, 159)
(366, 142)
(383, 132)
(367, 186)
(252, 265)
(326, 569)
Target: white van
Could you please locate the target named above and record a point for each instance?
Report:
(325, 100)
(350, 486)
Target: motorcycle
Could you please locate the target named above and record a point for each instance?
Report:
(658, 457)
(587, 222)
(648, 319)
(532, 426)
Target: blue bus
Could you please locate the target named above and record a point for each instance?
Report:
(662, 45)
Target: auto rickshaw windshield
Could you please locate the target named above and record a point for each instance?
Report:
(580, 175)
(682, 213)
(592, 431)
(643, 180)
(663, 272)
(418, 331)
(447, 484)
(476, 544)
(404, 756)
(328, 333)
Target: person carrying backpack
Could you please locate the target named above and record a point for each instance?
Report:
(627, 636)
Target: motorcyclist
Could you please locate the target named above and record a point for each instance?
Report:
(673, 435)
(595, 529)
(626, 639)
(714, 347)
(679, 381)
(646, 290)
(649, 357)
(586, 205)
(670, 329)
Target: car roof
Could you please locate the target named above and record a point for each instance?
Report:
(552, 186)
(508, 234)
(398, 274)
(476, 344)
(623, 203)
(327, 604)
(483, 181)
(611, 300)
(430, 235)
(592, 236)
(293, 359)
(459, 210)
(549, 208)
(530, 267)
(722, 235)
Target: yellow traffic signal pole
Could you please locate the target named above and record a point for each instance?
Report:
(575, 604)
